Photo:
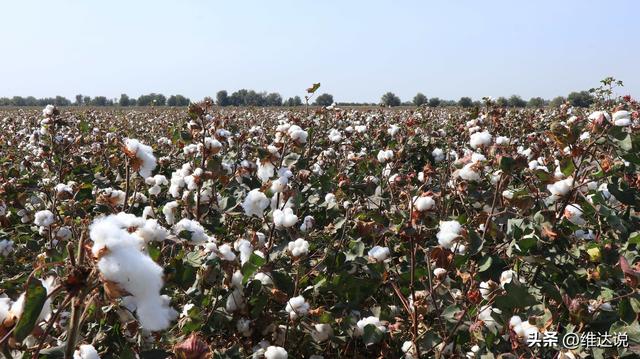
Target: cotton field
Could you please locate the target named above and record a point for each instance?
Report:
(309, 232)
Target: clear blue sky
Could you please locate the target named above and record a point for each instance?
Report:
(356, 49)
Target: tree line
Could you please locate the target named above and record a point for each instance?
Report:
(246, 97)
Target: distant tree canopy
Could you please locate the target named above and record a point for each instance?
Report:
(516, 101)
(536, 102)
(390, 99)
(324, 100)
(434, 102)
(502, 101)
(580, 99)
(177, 100)
(419, 99)
(557, 101)
(465, 102)
(293, 101)
(124, 100)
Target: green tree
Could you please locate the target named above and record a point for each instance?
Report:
(580, 99)
(465, 102)
(557, 101)
(434, 102)
(324, 100)
(78, 100)
(536, 102)
(516, 101)
(124, 100)
(222, 98)
(273, 99)
(99, 101)
(502, 101)
(390, 99)
(419, 99)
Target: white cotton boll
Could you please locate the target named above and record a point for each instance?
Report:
(63, 233)
(147, 212)
(297, 307)
(438, 155)
(243, 326)
(298, 247)
(573, 213)
(86, 351)
(48, 111)
(506, 277)
(236, 279)
(597, 114)
(478, 157)
(6, 247)
(622, 118)
(424, 203)
(5, 307)
(245, 248)
(284, 218)
(235, 301)
(307, 224)
(274, 352)
(144, 154)
(359, 329)
(361, 128)
(393, 130)
(480, 139)
(265, 170)
(468, 173)
(255, 203)
(585, 136)
(123, 263)
(297, 134)
(212, 144)
(508, 194)
(502, 140)
(439, 273)
(264, 278)
(448, 233)
(43, 218)
(379, 254)
(226, 253)
(384, 155)
(321, 332)
(151, 231)
(560, 188)
(194, 228)
(485, 314)
(330, 199)
(514, 321)
(279, 185)
(335, 135)
(169, 210)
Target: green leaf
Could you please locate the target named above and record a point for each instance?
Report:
(35, 298)
(486, 264)
(517, 297)
(567, 167)
(372, 334)
(251, 266)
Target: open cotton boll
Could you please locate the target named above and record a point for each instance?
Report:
(255, 203)
(330, 199)
(298, 247)
(297, 134)
(622, 118)
(423, 203)
(226, 253)
(379, 254)
(560, 188)
(48, 111)
(264, 278)
(573, 213)
(598, 114)
(321, 332)
(275, 352)
(235, 301)
(468, 173)
(169, 212)
(279, 185)
(86, 351)
(284, 218)
(265, 170)
(43, 218)
(359, 329)
(245, 248)
(438, 155)
(480, 139)
(194, 228)
(6, 247)
(523, 329)
(485, 314)
(335, 135)
(393, 130)
(122, 262)
(143, 160)
(507, 277)
(502, 140)
(385, 155)
(297, 307)
(448, 233)
(307, 224)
